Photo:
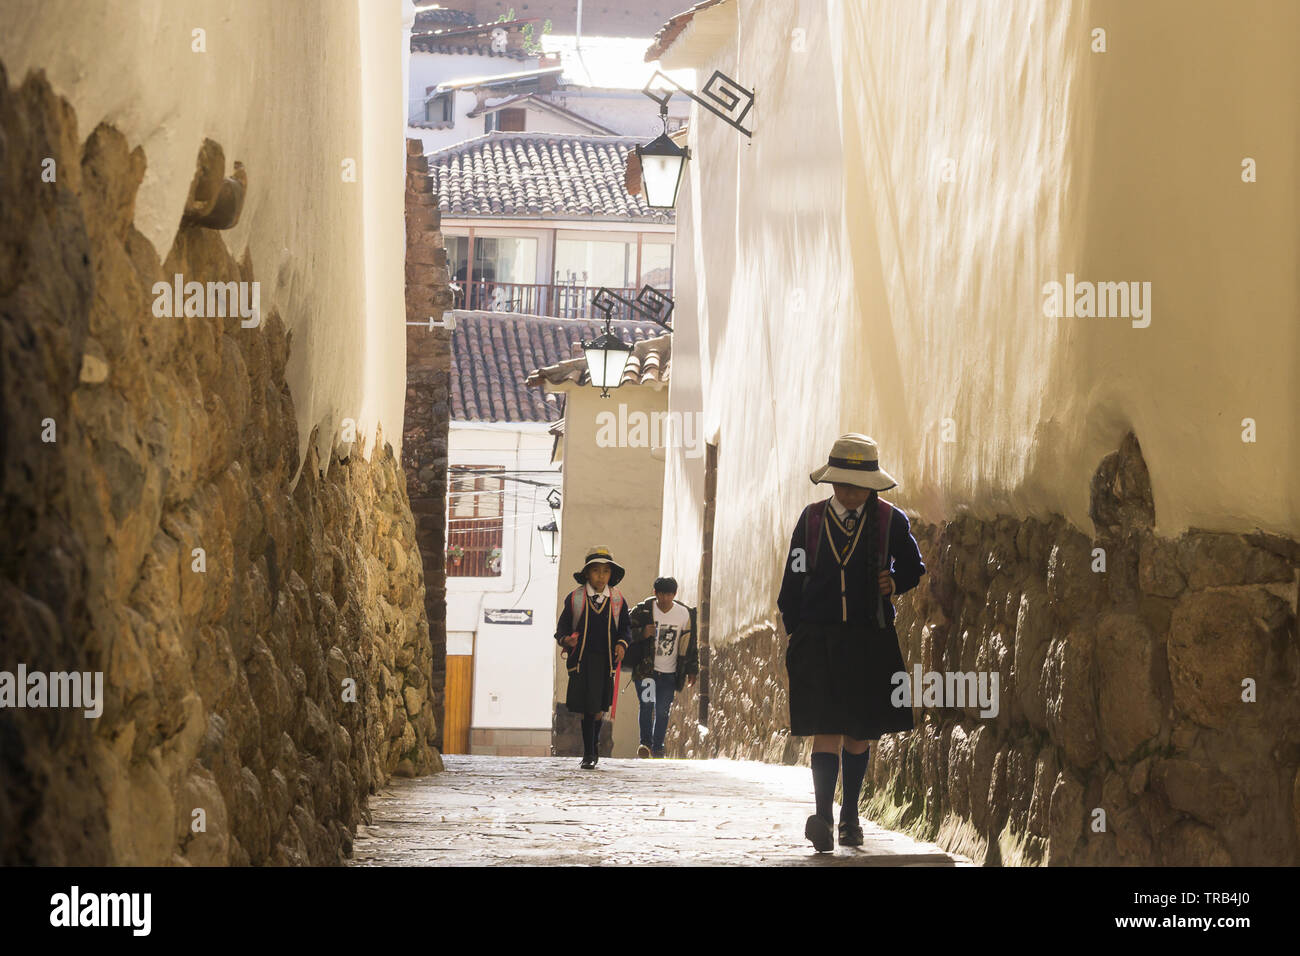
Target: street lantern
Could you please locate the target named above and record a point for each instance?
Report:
(662, 162)
(607, 356)
(550, 535)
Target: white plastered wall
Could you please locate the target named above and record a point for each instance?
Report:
(291, 89)
(841, 284)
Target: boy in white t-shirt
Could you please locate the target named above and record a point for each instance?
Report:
(668, 659)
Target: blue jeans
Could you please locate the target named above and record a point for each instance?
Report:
(656, 695)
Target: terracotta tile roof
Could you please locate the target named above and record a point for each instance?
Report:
(431, 36)
(493, 353)
(458, 45)
(433, 18)
(673, 28)
(539, 176)
(649, 365)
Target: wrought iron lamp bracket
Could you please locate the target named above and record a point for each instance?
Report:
(651, 304)
(721, 95)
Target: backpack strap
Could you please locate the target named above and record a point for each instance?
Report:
(884, 514)
(812, 527)
(816, 513)
(577, 603)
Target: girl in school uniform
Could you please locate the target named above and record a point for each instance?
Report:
(593, 633)
(849, 555)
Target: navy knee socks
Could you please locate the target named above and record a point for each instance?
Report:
(825, 770)
(591, 735)
(855, 768)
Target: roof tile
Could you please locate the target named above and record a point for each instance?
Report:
(539, 175)
(648, 364)
(494, 357)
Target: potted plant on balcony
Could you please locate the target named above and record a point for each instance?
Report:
(494, 561)
(454, 554)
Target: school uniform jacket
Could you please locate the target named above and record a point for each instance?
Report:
(812, 591)
(593, 625)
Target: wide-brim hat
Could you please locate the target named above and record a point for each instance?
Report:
(854, 460)
(600, 556)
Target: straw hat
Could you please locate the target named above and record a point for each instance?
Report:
(853, 461)
(600, 555)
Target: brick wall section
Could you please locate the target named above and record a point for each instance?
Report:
(427, 416)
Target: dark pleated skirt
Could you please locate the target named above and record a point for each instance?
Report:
(841, 681)
(591, 689)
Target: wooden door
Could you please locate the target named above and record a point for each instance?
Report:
(456, 703)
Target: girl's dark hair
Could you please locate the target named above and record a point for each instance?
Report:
(665, 586)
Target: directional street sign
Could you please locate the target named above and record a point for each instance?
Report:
(491, 616)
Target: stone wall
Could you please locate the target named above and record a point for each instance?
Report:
(428, 408)
(1121, 691)
(129, 442)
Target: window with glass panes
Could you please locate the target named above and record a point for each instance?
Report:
(657, 265)
(505, 272)
(596, 262)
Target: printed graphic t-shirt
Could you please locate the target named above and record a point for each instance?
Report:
(670, 626)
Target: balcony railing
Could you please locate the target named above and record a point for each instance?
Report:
(561, 300)
(474, 547)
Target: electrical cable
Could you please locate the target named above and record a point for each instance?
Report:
(524, 590)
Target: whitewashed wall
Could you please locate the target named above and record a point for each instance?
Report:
(512, 662)
(291, 89)
(832, 280)
(430, 69)
(626, 112)
(612, 498)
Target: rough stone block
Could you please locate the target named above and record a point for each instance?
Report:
(1215, 641)
(1220, 560)
(1130, 706)
(1200, 791)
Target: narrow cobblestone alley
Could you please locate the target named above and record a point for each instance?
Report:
(544, 810)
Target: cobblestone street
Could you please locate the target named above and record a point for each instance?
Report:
(544, 810)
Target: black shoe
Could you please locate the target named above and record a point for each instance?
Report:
(587, 763)
(819, 832)
(850, 833)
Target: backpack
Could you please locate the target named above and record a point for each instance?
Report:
(813, 518)
(578, 605)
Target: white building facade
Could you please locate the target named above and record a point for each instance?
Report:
(505, 620)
